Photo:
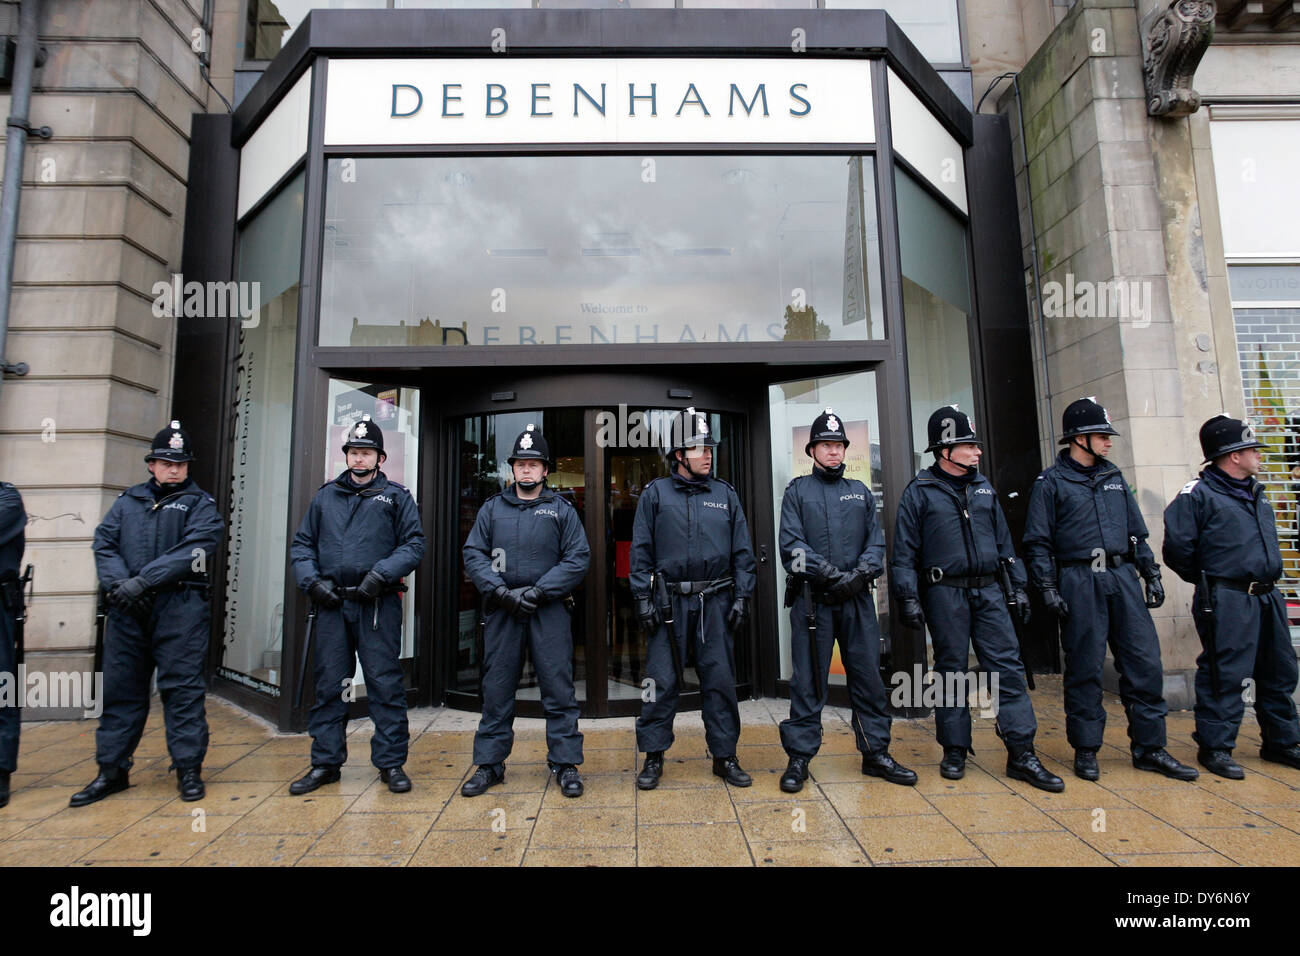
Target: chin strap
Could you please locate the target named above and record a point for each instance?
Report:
(970, 469)
(1086, 446)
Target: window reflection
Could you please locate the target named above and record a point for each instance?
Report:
(592, 250)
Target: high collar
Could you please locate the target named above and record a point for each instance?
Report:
(546, 494)
(159, 492)
(690, 485)
(828, 475)
(345, 483)
(1247, 489)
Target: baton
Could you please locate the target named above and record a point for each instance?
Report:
(306, 652)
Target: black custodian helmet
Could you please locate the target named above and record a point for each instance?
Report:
(530, 444)
(1222, 435)
(826, 427)
(171, 444)
(365, 434)
(1085, 417)
(689, 430)
(950, 426)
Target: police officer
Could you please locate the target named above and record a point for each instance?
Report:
(690, 534)
(951, 545)
(13, 521)
(1086, 543)
(1220, 535)
(833, 549)
(361, 535)
(526, 553)
(152, 552)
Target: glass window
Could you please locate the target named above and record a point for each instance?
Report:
(1254, 171)
(933, 25)
(584, 250)
(397, 411)
(792, 408)
(936, 306)
(269, 253)
(272, 22)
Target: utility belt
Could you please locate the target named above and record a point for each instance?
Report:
(1243, 584)
(794, 585)
(935, 576)
(354, 594)
(569, 602)
(702, 588)
(1113, 560)
(203, 587)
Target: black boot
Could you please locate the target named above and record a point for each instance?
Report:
(1220, 762)
(487, 775)
(189, 781)
(883, 765)
(1085, 763)
(4, 788)
(566, 775)
(649, 776)
(953, 765)
(1025, 765)
(728, 768)
(1287, 755)
(796, 772)
(315, 777)
(396, 778)
(1159, 760)
(111, 780)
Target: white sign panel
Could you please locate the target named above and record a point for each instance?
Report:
(279, 142)
(487, 100)
(922, 141)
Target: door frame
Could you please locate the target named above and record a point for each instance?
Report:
(660, 387)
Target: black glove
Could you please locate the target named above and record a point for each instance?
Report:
(371, 585)
(909, 608)
(648, 615)
(850, 585)
(1053, 601)
(1022, 604)
(324, 592)
(738, 614)
(514, 604)
(1155, 591)
(827, 575)
(498, 597)
(530, 600)
(127, 594)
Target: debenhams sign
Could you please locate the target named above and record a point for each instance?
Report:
(507, 100)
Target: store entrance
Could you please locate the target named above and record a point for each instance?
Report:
(604, 452)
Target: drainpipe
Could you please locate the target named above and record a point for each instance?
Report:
(15, 145)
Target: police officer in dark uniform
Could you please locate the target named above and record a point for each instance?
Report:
(526, 553)
(1221, 536)
(690, 535)
(13, 522)
(833, 549)
(1086, 543)
(361, 535)
(951, 545)
(152, 551)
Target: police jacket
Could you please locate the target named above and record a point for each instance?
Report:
(13, 524)
(156, 538)
(349, 531)
(1074, 514)
(690, 531)
(540, 543)
(830, 519)
(963, 533)
(1209, 529)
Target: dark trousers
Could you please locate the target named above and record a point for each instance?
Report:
(174, 639)
(10, 717)
(344, 635)
(853, 624)
(1108, 607)
(958, 618)
(706, 628)
(1252, 642)
(549, 635)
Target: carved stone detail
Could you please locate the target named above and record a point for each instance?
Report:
(1173, 41)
